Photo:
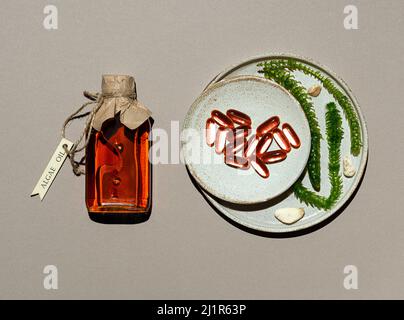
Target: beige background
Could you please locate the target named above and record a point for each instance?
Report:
(186, 250)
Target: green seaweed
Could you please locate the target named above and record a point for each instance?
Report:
(340, 97)
(335, 134)
(286, 79)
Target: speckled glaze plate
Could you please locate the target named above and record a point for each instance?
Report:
(261, 216)
(260, 99)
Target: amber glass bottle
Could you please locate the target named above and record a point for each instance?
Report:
(118, 172)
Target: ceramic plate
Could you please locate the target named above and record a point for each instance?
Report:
(261, 217)
(260, 99)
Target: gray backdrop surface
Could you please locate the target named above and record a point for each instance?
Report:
(186, 250)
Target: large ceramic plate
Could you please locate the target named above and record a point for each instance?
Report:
(261, 217)
(260, 99)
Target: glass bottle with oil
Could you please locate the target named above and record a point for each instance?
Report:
(118, 170)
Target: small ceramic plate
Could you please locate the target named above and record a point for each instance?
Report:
(260, 99)
(261, 217)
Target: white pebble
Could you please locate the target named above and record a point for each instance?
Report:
(289, 215)
(314, 91)
(349, 169)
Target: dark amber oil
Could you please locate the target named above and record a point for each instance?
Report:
(118, 173)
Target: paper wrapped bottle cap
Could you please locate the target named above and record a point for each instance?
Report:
(119, 95)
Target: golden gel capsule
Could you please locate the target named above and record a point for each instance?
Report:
(240, 144)
(281, 140)
(268, 126)
(210, 132)
(237, 162)
(260, 167)
(273, 156)
(220, 142)
(221, 119)
(239, 117)
(236, 139)
(251, 146)
(291, 135)
(264, 143)
(239, 132)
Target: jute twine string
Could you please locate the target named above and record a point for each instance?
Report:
(96, 100)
